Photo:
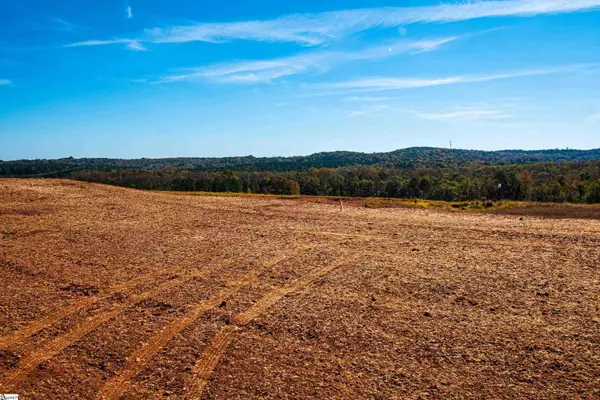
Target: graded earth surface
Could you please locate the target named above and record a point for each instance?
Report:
(109, 293)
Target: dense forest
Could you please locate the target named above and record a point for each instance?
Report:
(411, 158)
(428, 173)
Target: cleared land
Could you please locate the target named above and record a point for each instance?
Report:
(507, 207)
(114, 293)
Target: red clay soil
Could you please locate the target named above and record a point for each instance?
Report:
(110, 293)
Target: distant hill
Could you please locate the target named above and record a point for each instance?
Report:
(417, 172)
(410, 158)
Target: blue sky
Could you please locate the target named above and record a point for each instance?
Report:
(155, 78)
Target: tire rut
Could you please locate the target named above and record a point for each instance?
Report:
(29, 362)
(139, 359)
(212, 354)
(208, 361)
(14, 339)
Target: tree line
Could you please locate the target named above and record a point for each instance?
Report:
(577, 182)
(410, 158)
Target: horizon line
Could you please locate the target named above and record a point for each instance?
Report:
(303, 155)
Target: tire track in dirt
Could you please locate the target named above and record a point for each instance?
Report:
(212, 354)
(14, 339)
(139, 359)
(29, 362)
(208, 361)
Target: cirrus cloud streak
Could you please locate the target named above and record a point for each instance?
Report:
(326, 27)
(320, 28)
(257, 71)
(375, 84)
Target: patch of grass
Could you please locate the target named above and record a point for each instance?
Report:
(548, 210)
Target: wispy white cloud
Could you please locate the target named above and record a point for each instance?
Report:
(368, 99)
(5, 82)
(480, 113)
(243, 72)
(54, 24)
(383, 83)
(370, 111)
(135, 45)
(320, 28)
(129, 12)
(594, 118)
(320, 61)
(432, 45)
(466, 113)
(375, 84)
(61, 24)
(315, 29)
(129, 43)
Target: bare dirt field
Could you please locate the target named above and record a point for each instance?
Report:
(109, 293)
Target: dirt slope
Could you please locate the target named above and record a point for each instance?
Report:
(114, 293)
